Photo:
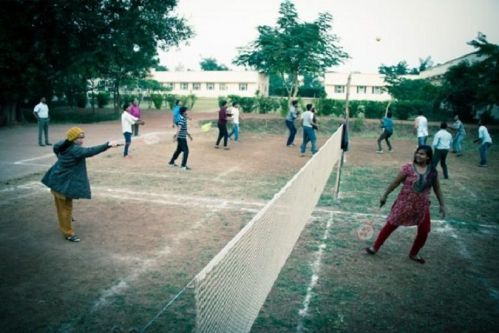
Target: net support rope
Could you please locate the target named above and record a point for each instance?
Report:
(232, 288)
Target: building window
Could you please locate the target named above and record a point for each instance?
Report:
(184, 86)
(210, 86)
(196, 86)
(377, 90)
(243, 86)
(170, 85)
(339, 89)
(361, 89)
(222, 86)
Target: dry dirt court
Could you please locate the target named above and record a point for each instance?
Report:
(149, 229)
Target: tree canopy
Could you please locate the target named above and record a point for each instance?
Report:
(293, 48)
(211, 64)
(54, 47)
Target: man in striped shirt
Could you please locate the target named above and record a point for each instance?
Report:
(181, 136)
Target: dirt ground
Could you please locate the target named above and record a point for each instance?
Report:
(149, 228)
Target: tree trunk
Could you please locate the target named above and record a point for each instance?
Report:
(8, 113)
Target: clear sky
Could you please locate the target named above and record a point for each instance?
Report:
(408, 29)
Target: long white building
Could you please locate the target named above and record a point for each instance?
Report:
(214, 83)
(370, 87)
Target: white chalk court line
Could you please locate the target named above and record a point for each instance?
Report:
(34, 159)
(316, 266)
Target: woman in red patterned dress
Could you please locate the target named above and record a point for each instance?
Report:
(412, 206)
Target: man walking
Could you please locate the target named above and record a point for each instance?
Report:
(441, 145)
(41, 112)
(485, 142)
(290, 123)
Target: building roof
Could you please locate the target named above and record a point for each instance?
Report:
(441, 69)
(206, 76)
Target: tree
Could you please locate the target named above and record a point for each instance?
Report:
(293, 48)
(473, 86)
(161, 68)
(211, 64)
(55, 47)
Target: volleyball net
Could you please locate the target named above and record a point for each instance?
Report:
(232, 288)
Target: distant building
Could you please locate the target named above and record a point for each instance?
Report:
(214, 83)
(437, 72)
(370, 87)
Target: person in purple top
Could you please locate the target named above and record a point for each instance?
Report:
(222, 125)
(135, 111)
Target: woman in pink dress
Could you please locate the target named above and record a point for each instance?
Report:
(412, 206)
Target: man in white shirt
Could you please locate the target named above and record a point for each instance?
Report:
(441, 145)
(234, 111)
(307, 119)
(485, 142)
(421, 128)
(41, 112)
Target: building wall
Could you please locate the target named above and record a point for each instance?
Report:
(370, 87)
(214, 83)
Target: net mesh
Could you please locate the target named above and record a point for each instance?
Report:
(232, 288)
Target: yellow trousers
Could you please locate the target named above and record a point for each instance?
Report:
(64, 208)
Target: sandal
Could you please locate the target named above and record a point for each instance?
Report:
(370, 250)
(73, 238)
(418, 259)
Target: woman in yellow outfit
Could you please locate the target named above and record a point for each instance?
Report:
(68, 179)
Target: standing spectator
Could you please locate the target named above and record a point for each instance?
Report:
(485, 142)
(441, 145)
(135, 111)
(222, 125)
(181, 136)
(307, 119)
(235, 121)
(290, 123)
(412, 206)
(421, 128)
(387, 126)
(458, 139)
(67, 178)
(127, 121)
(176, 113)
(41, 112)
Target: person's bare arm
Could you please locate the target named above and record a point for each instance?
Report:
(440, 197)
(393, 185)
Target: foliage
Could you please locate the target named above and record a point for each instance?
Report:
(358, 123)
(171, 99)
(405, 109)
(189, 101)
(102, 99)
(293, 48)
(211, 64)
(473, 86)
(311, 87)
(55, 47)
(157, 99)
(327, 107)
(248, 104)
(267, 104)
(284, 106)
(161, 68)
